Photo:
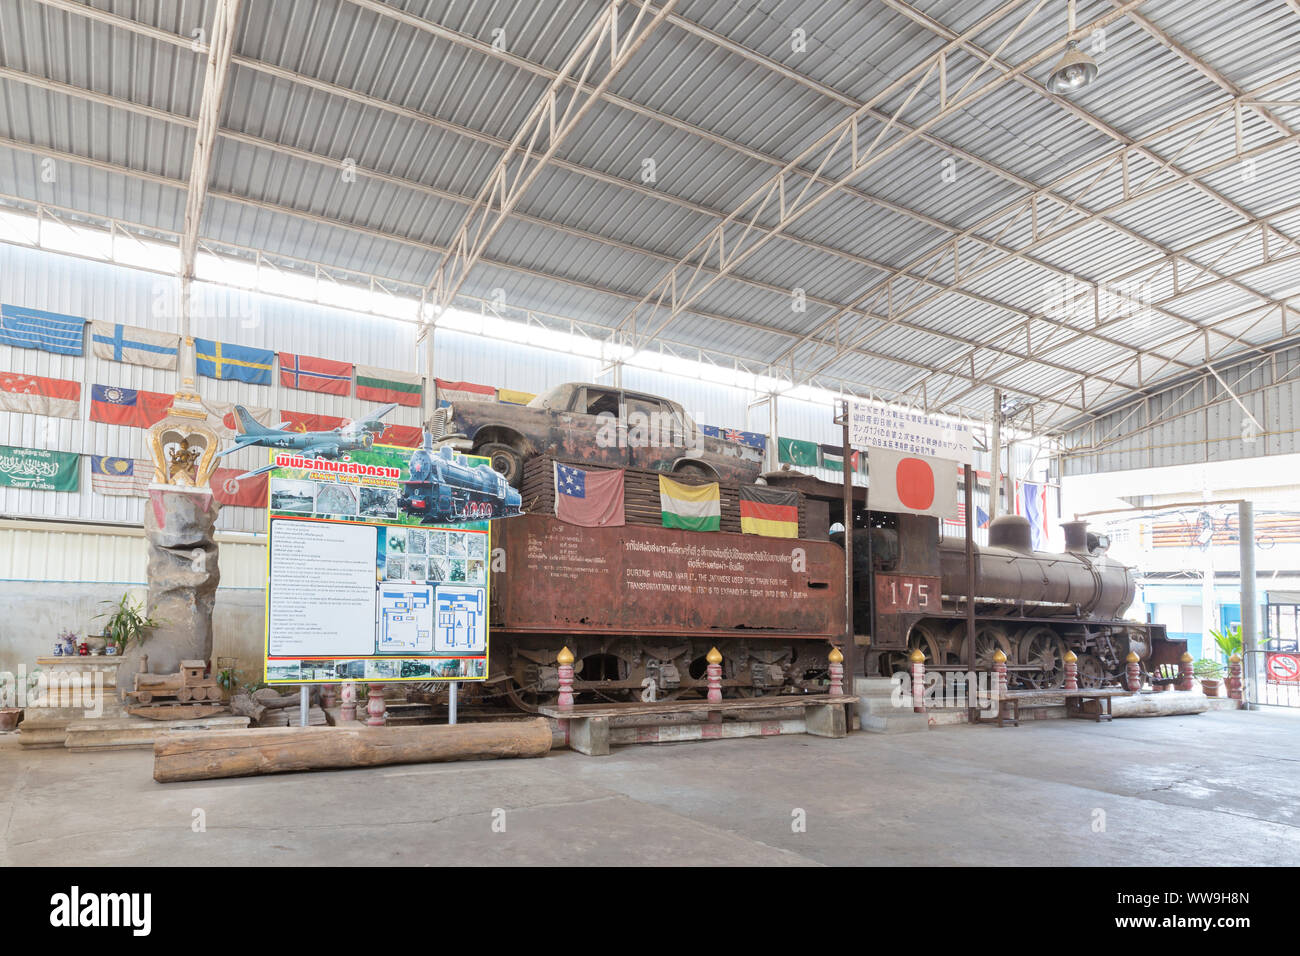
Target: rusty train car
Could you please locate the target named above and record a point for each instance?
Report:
(641, 605)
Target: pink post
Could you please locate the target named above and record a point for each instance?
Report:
(328, 695)
(375, 709)
(1234, 677)
(1071, 671)
(349, 708)
(1185, 672)
(918, 680)
(1000, 672)
(714, 673)
(1134, 670)
(565, 659)
(837, 671)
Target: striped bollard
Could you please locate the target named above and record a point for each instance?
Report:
(1234, 677)
(1071, 670)
(918, 680)
(349, 702)
(1185, 672)
(565, 659)
(376, 711)
(1134, 671)
(714, 672)
(837, 671)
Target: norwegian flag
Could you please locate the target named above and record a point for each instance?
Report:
(315, 374)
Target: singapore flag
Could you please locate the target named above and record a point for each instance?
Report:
(915, 483)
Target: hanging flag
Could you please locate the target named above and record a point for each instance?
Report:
(403, 436)
(388, 385)
(308, 422)
(690, 507)
(1032, 503)
(127, 406)
(592, 499)
(34, 329)
(39, 470)
(833, 458)
(769, 511)
(752, 439)
(449, 392)
(920, 485)
(795, 452)
(35, 395)
(315, 374)
(120, 476)
(128, 343)
(234, 363)
(221, 417)
(511, 397)
(981, 517)
(229, 489)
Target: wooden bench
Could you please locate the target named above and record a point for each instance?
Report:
(587, 726)
(1010, 701)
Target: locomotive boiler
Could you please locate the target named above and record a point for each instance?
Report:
(444, 489)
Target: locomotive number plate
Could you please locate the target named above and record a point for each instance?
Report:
(903, 593)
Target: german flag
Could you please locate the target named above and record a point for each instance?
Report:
(769, 511)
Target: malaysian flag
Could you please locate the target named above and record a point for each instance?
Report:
(592, 499)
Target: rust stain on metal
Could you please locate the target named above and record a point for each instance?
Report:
(661, 581)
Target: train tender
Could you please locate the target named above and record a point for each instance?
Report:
(443, 488)
(641, 605)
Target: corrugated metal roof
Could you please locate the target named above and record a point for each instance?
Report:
(355, 134)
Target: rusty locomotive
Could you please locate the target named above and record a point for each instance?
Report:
(641, 605)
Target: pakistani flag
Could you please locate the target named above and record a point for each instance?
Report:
(795, 452)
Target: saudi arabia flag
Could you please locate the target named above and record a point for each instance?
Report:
(388, 385)
(690, 507)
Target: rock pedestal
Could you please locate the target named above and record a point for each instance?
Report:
(183, 578)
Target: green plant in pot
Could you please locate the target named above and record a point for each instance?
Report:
(1210, 673)
(125, 622)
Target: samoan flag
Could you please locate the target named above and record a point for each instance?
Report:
(34, 329)
(590, 499)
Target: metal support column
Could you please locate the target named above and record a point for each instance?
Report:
(1249, 607)
(995, 452)
(972, 679)
(850, 651)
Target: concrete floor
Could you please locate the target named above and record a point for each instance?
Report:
(1221, 787)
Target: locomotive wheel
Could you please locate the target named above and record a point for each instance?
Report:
(184, 695)
(526, 700)
(1042, 648)
(924, 638)
(988, 638)
(1092, 672)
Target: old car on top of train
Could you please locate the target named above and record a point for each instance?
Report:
(597, 424)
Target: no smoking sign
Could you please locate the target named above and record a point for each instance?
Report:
(1283, 668)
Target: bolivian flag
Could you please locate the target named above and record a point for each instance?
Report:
(769, 511)
(690, 507)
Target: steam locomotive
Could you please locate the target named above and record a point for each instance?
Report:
(443, 488)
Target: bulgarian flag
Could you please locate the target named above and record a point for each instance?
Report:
(388, 385)
(690, 507)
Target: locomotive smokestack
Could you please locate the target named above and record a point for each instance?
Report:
(1076, 536)
(1011, 532)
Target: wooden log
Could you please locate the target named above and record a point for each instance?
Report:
(243, 753)
(246, 706)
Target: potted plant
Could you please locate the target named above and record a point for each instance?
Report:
(1210, 673)
(126, 622)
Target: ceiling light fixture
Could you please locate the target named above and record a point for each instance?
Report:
(1075, 69)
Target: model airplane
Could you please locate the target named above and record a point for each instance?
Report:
(331, 444)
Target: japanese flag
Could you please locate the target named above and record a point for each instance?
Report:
(915, 483)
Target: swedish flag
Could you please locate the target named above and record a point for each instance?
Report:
(238, 363)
